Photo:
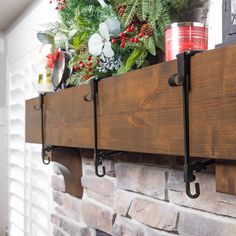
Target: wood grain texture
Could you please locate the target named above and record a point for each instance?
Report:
(32, 121)
(226, 178)
(139, 112)
(69, 161)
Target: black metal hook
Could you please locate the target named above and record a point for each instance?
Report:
(86, 96)
(45, 150)
(98, 162)
(98, 157)
(188, 190)
(183, 79)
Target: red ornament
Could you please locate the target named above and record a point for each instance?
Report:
(122, 34)
(89, 69)
(113, 41)
(52, 57)
(136, 40)
(122, 45)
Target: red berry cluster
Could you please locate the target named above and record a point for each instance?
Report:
(127, 36)
(61, 4)
(84, 65)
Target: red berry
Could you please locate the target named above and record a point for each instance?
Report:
(132, 40)
(136, 40)
(132, 28)
(56, 8)
(82, 65)
(89, 69)
(50, 2)
(89, 58)
(61, 8)
(140, 35)
(113, 41)
(76, 68)
(123, 40)
(129, 29)
(122, 34)
(122, 45)
(63, 1)
(90, 64)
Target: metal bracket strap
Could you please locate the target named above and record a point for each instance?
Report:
(45, 149)
(183, 79)
(99, 155)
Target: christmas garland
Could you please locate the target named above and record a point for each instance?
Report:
(107, 38)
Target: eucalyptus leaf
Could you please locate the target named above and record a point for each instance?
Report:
(121, 70)
(150, 46)
(45, 38)
(136, 54)
(72, 33)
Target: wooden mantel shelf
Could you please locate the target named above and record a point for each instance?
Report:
(140, 112)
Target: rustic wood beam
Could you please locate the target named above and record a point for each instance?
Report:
(140, 112)
(69, 161)
(226, 177)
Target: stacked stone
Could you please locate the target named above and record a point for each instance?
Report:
(142, 200)
(67, 218)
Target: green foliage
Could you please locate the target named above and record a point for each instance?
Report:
(79, 19)
(45, 38)
(73, 6)
(134, 57)
(159, 13)
(150, 46)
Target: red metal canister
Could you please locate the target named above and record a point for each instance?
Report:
(185, 36)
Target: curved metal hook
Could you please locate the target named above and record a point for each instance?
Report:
(37, 107)
(98, 173)
(87, 99)
(45, 162)
(98, 162)
(188, 191)
(92, 92)
(173, 80)
(44, 150)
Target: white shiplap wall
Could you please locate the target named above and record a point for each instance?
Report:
(29, 197)
(3, 135)
(215, 23)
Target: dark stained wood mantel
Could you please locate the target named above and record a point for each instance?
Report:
(140, 112)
